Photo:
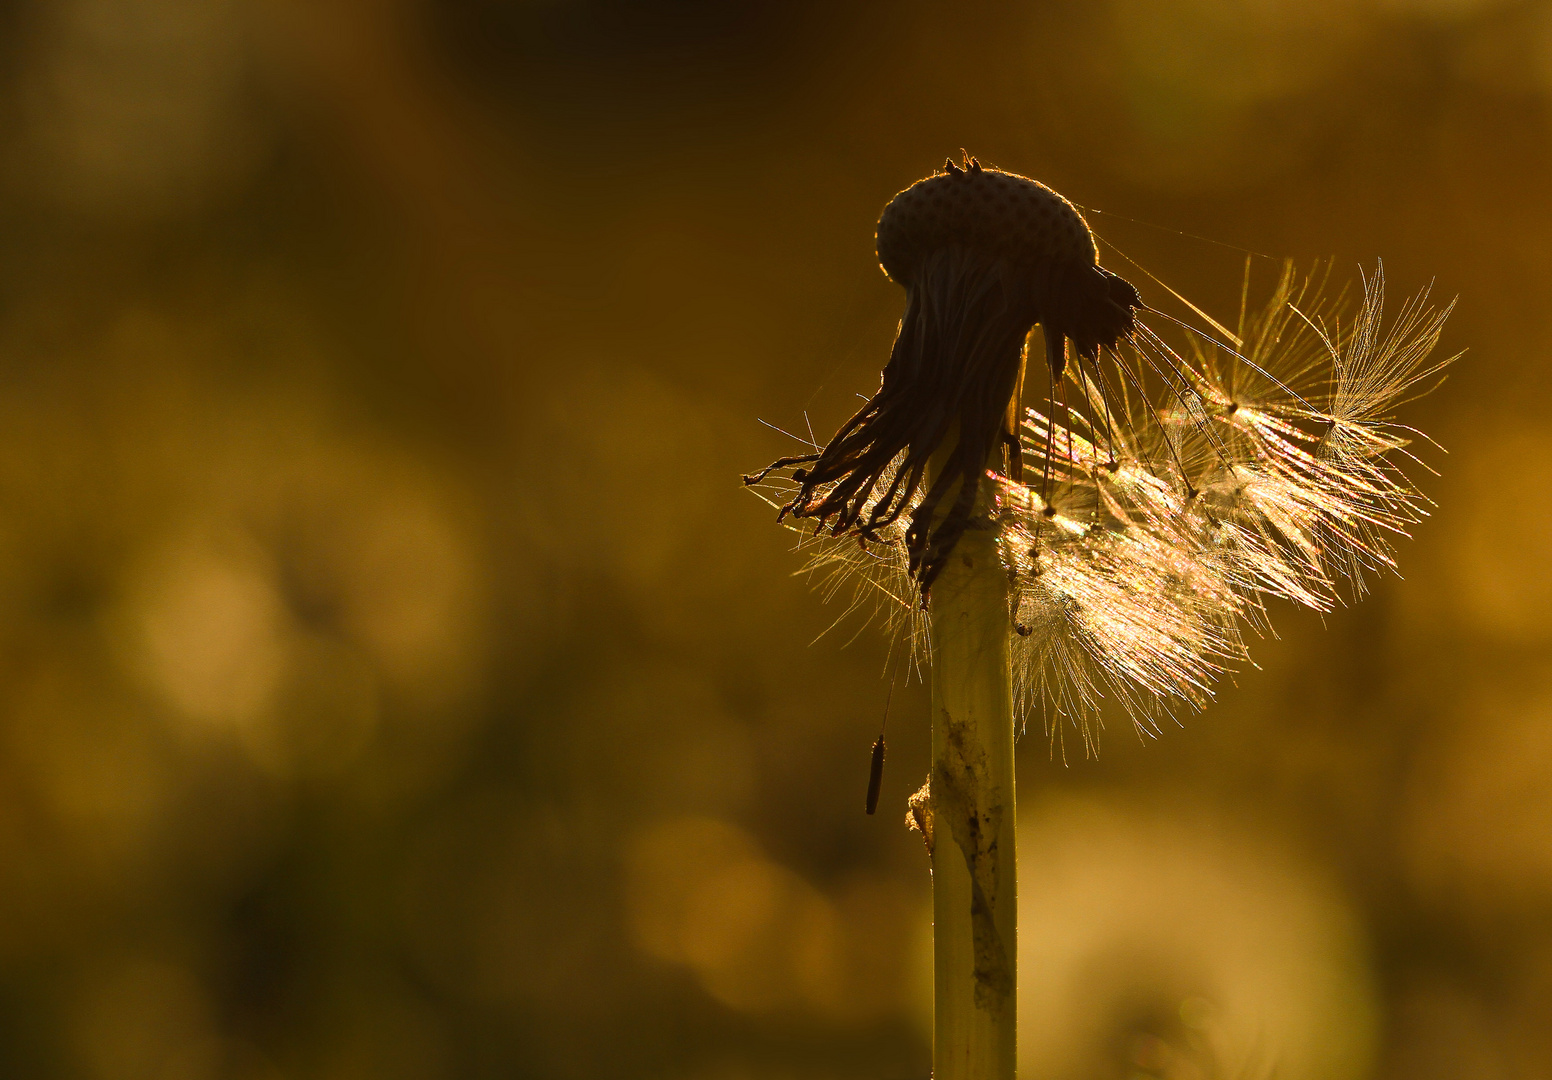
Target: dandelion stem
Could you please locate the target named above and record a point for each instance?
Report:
(974, 895)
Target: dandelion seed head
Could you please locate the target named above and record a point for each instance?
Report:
(1225, 478)
(1172, 485)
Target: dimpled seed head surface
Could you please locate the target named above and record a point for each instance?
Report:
(1000, 213)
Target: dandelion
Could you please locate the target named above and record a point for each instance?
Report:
(1115, 544)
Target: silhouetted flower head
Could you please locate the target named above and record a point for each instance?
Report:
(1168, 487)
(983, 256)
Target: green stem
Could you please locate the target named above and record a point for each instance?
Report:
(974, 892)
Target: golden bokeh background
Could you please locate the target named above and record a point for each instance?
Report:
(398, 683)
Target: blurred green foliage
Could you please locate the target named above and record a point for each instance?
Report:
(397, 683)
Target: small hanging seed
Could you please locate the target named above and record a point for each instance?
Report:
(876, 769)
(876, 774)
